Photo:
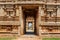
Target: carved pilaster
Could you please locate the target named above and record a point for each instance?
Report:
(17, 10)
(19, 13)
(39, 19)
(21, 20)
(41, 14)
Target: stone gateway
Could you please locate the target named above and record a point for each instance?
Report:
(39, 17)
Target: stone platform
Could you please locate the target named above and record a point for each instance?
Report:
(28, 37)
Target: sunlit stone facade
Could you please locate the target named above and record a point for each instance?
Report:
(46, 16)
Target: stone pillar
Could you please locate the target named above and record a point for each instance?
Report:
(40, 20)
(41, 13)
(21, 20)
(18, 14)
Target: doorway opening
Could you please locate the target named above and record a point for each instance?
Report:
(29, 16)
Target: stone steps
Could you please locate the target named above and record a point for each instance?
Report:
(29, 37)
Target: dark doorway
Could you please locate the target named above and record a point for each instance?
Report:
(29, 20)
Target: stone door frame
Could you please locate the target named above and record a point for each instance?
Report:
(22, 24)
